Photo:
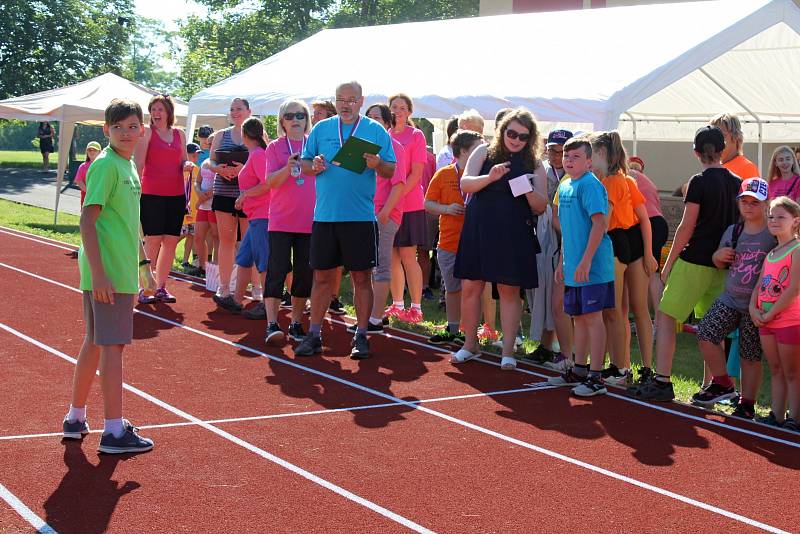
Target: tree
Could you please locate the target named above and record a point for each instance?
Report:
(143, 60)
(49, 44)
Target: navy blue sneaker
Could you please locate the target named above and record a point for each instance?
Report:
(310, 346)
(75, 429)
(130, 442)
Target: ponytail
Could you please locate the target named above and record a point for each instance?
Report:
(615, 151)
(253, 129)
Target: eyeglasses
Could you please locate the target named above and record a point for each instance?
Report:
(299, 115)
(513, 134)
(555, 151)
(352, 102)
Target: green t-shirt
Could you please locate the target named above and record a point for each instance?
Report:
(113, 183)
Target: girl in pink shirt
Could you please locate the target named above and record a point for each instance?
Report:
(775, 309)
(254, 199)
(92, 150)
(413, 230)
(784, 174)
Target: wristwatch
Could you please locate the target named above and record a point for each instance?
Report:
(144, 262)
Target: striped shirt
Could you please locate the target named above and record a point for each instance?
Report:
(223, 187)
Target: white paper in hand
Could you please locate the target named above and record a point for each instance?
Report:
(520, 185)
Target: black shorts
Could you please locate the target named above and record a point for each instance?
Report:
(226, 205)
(352, 244)
(413, 231)
(162, 215)
(628, 244)
(660, 233)
(289, 251)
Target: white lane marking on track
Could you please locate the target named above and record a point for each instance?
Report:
(26, 513)
(238, 441)
(547, 452)
(297, 414)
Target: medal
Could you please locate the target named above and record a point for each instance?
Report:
(299, 181)
(295, 170)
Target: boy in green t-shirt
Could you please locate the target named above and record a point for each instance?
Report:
(109, 261)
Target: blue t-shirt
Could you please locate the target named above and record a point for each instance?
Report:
(343, 195)
(578, 200)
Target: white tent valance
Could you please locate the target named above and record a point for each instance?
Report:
(83, 102)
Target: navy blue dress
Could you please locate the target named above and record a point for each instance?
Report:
(498, 242)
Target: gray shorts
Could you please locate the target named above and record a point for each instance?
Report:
(108, 324)
(447, 263)
(386, 232)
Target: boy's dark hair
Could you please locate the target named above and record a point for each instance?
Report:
(462, 140)
(254, 129)
(452, 126)
(575, 143)
(120, 109)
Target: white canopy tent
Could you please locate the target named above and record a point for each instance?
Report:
(83, 102)
(654, 71)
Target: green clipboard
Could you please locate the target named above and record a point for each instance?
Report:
(351, 155)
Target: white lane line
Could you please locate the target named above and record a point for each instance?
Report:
(296, 414)
(238, 441)
(466, 424)
(3, 231)
(26, 513)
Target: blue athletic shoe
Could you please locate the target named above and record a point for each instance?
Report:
(75, 429)
(130, 442)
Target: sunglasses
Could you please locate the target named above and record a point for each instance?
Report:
(513, 134)
(300, 115)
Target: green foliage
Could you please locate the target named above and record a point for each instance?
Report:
(50, 44)
(143, 60)
(371, 12)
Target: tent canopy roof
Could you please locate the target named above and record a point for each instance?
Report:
(83, 102)
(644, 60)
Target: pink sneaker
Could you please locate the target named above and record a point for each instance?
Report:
(487, 333)
(411, 315)
(394, 311)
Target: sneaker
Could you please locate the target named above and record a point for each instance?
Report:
(446, 336)
(257, 294)
(310, 346)
(336, 307)
(360, 346)
(130, 442)
(508, 363)
(227, 303)
(427, 294)
(791, 424)
(371, 328)
(744, 411)
(770, 420)
(645, 375)
(590, 387)
(274, 334)
(620, 378)
(487, 333)
(540, 355)
(286, 301)
(191, 270)
(611, 370)
(296, 332)
(146, 299)
(255, 313)
(392, 311)
(655, 390)
(75, 429)
(712, 394)
(567, 378)
(463, 355)
(162, 295)
(411, 315)
(559, 363)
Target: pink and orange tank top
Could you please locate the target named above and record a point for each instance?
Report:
(775, 279)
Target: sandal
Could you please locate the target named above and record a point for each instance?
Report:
(463, 355)
(508, 363)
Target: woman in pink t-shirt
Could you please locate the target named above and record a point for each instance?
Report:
(291, 214)
(413, 230)
(784, 174)
(161, 160)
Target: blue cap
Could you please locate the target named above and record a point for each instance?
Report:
(558, 137)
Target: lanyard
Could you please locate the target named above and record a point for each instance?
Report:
(464, 196)
(352, 133)
(302, 145)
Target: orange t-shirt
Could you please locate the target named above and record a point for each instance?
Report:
(623, 195)
(444, 189)
(742, 167)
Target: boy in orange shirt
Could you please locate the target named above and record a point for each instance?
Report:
(445, 199)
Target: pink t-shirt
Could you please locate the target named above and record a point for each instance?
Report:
(779, 187)
(292, 205)
(413, 141)
(652, 200)
(383, 186)
(80, 176)
(252, 174)
(162, 174)
(428, 171)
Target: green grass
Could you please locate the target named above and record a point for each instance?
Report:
(687, 367)
(29, 159)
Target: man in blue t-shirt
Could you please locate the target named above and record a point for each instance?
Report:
(344, 230)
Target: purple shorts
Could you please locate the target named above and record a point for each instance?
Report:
(588, 299)
(788, 335)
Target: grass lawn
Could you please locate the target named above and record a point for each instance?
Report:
(687, 367)
(29, 159)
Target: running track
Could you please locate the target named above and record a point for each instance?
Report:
(263, 441)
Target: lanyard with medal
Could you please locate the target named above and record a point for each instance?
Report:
(295, 171)
(352, 132)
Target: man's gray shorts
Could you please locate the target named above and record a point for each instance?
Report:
(108, 324)
(447, 263)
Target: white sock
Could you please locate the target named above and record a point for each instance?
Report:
(76, 414)
(373, 320)
(400, 304)
(416, 306)
(114, 426)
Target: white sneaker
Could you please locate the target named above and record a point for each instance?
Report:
(463, 355)
(619, 380)
(508, 363)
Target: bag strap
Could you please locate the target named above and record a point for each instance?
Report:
(738, 228)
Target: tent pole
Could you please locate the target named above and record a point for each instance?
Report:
(633, 124)
(760, 148)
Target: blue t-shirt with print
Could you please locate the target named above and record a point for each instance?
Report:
(343, 195)
(578, 200)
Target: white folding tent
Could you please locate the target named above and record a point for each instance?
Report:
(655, 71)
(83, 102)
